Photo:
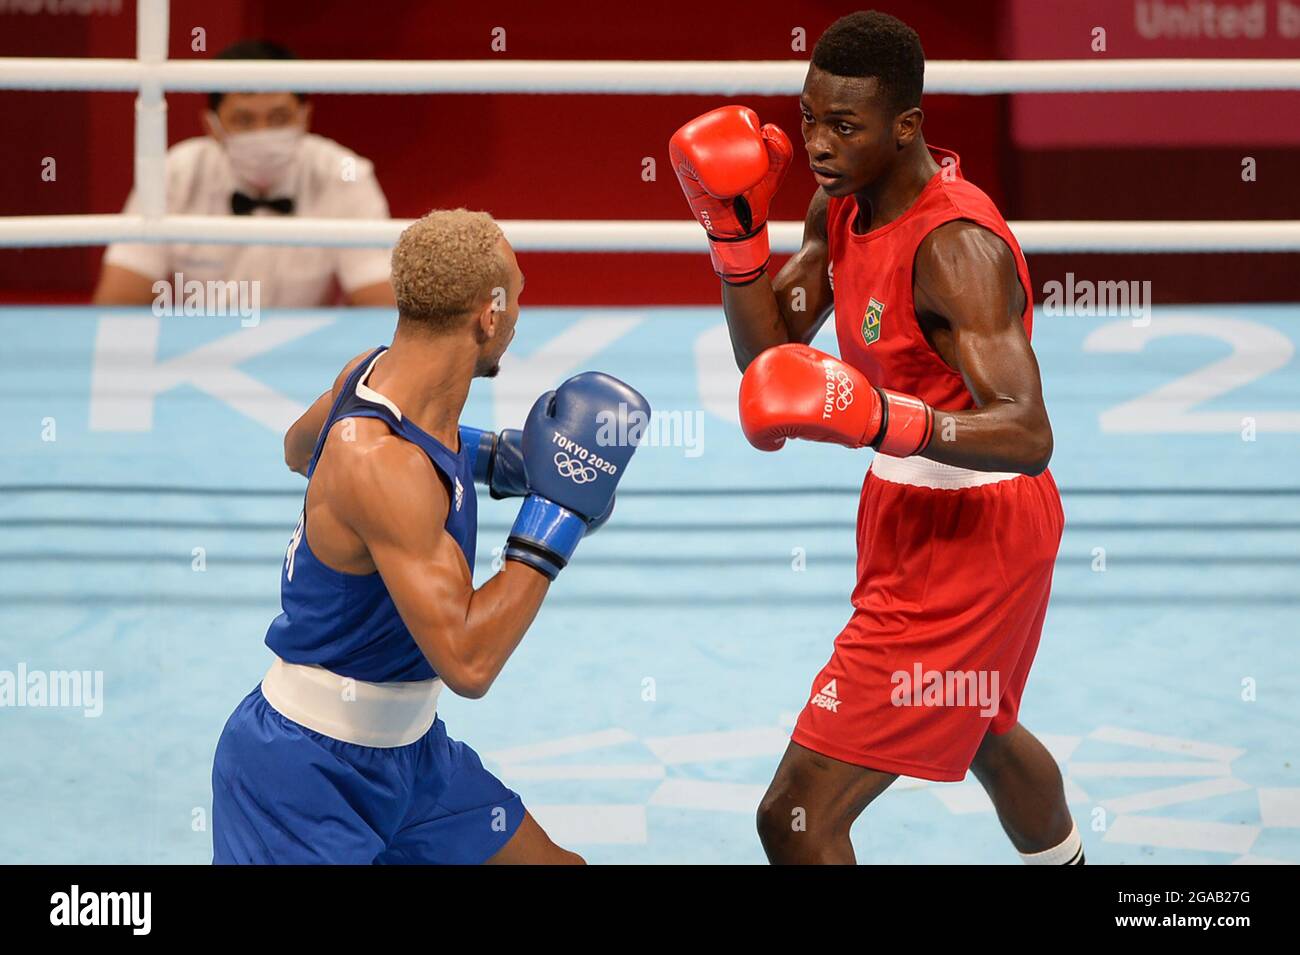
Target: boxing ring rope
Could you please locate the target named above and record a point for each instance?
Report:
(152, 75)
(623, 77)
(623, 235)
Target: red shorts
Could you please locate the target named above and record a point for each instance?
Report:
(953, 581)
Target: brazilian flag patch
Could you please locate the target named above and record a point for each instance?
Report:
(871, 321)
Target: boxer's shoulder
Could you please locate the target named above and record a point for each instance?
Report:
(374, 458)
(377, 479)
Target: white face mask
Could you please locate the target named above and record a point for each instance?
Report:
(261, 158)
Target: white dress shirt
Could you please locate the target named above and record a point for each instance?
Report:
(326, 180)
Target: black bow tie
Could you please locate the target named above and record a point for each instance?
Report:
(243, 205)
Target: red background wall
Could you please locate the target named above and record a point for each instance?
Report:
(581, 157)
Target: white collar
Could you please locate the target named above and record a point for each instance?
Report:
(367, 393)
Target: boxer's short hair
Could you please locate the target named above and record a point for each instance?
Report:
(446, 265)
(870, 43)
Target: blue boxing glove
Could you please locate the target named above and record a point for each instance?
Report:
(499, 466)
(572, 466)
(499, 461)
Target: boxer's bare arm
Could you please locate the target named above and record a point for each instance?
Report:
(967, 288)
(122, 286)
(790, 308)
(300, 439)
(390, 496)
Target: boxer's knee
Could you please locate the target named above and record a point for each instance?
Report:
(794, 827)
(771, 820)
(787, 837)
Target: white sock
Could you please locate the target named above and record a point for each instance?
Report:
(1069, 852)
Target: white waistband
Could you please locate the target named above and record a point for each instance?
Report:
(354, 711)
(922, 472)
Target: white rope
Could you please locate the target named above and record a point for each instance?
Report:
(721, 78)
(547, 235)
(152, 75)
(152, 19)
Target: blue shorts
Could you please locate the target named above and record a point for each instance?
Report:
(282, 793)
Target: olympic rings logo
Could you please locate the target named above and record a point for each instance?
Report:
(575, 471)
(843, 390)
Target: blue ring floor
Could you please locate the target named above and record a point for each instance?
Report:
(146, 507)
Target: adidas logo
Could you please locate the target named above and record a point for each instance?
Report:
(828, 698)
(460, 494)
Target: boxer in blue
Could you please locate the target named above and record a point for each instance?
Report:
(338, 756)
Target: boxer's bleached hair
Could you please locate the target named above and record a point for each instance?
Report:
(447, 265)
(870, 43)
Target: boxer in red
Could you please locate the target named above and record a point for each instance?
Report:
(959, 520)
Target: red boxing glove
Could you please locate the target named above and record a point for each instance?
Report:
(796, 391)
(730, 167)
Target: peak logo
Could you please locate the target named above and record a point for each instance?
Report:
(827, 698)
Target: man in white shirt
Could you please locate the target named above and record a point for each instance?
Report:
(259, 159)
